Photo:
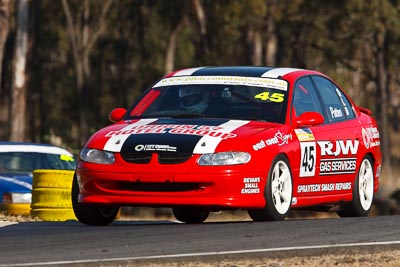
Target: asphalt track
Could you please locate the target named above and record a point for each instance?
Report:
(68, 243)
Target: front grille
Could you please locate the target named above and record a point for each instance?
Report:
(138, 158)
(173, 158)
(163, 158)
(158, 187)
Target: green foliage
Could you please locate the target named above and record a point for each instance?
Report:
(335, 36)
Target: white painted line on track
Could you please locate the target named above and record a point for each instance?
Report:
(232, 252)
(6, 223)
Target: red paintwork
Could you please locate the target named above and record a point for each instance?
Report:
(221, 186)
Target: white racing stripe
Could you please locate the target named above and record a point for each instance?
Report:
(16, 181)
(211, 253)
(208, 144)
(275, 73)
(115, 143)
(186, 72)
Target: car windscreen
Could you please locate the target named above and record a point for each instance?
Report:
(260, 99)
(29, 161)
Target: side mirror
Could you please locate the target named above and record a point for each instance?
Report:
(309, 118)
(117, 114)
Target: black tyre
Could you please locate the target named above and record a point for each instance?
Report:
(91, 214)
(190, 215)
(363, 192)
(278, 192)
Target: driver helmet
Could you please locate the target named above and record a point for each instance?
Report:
(193, 98)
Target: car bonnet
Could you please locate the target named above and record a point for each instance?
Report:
(197, 136)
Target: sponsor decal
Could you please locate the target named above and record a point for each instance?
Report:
(259, 145)
(304, 134)
(250, 185)
(279, 139)
(186, 129)
(308, 159)
(335, 112)
(225, 80)
(167, 148)
(312, 188)
(116, 141)
(328, 166)
(371, 137)
(337, 166)
(308, 188)
(274, 97)
(343, 102)
(340, 147)
(196, 138)
(339, 93)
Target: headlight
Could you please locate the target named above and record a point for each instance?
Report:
(97, 156)
(17, 198)
(224, 158)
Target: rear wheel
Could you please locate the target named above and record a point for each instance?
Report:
(278, 192)
(190, 215)
(363, 192)
(92, 214)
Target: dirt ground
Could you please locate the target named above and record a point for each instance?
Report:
(389, 258)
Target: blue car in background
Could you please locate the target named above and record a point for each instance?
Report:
(18, 160)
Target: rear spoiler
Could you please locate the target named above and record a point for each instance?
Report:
(364, 110)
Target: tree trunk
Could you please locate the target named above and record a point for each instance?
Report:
(201, 17)
(18, 100)
(255, 43)
(271, 46)
(171, 48)
(83, 37)
(382, 86)
(4, 28)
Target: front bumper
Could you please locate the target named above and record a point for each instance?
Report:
(171, 185)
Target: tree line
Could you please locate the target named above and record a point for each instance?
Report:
(65, 64)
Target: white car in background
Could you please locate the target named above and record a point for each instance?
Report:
(18, 160)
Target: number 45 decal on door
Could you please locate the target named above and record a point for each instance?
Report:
(308, 159)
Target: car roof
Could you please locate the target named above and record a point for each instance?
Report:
(246, 71)
(32, 147)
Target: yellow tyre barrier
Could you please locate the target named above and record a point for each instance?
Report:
(52, 179)
(51, 198)
(17, 208)
(48, 214)
(51, 195)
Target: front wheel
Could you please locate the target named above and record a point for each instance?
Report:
(190, 215)
(363, 192)
(278, 192)
(92, 214)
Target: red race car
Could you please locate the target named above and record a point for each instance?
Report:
(262, 139)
